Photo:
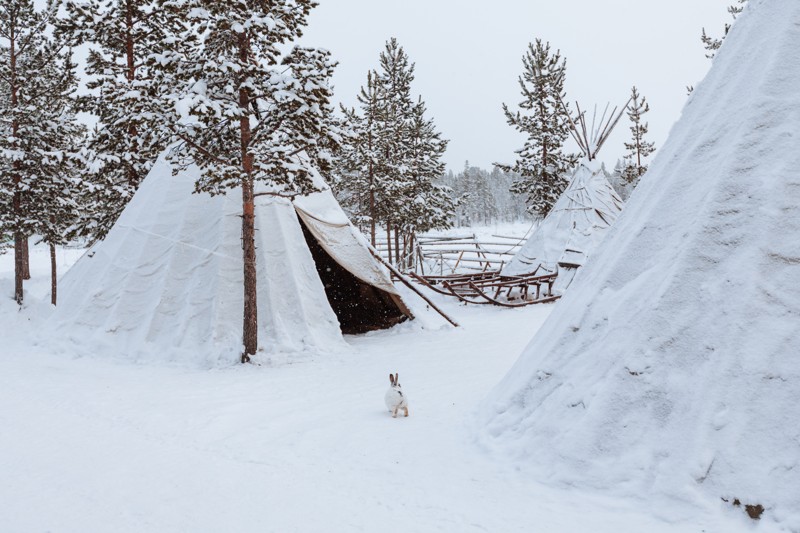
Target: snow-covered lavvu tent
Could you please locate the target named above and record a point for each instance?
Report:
(166, 283)
(572, 229)
(672, 366)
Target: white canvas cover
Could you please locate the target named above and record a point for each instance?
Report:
(166, 283)
(670, 368)
(574, 227)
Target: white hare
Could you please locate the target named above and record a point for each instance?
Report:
(395, 399)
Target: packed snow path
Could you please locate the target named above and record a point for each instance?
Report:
(89, 444)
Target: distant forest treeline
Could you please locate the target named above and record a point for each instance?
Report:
(484, 197)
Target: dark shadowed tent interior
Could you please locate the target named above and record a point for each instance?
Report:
(360, 303)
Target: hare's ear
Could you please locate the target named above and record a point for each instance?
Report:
(391, 379)
(396, 378)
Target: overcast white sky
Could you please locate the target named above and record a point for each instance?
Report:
(468, 56)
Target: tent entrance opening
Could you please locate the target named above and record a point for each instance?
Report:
(360, 307)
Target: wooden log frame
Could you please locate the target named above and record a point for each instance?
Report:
(487, 288)
(492, 274)
(455, 255)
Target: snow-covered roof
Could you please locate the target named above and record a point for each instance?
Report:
(671, 367)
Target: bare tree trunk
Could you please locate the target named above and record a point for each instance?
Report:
(405, 250)
(133, 178)
(26, 259)
(371, 203)
(397, 252)
(53, 276)
(250, 319)
(389, 240)
(250, 324)
(19, 238)
(412, 257)
(638, 152)
(18, 262)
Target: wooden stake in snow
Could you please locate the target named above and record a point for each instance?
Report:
(411, 286)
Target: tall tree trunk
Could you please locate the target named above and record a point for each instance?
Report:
(405, 250)
(26, 259)
(371, 205)
(412, 248)
(389, 240)
(19, 261)
(638, 152)
(397, 251)
(133, 178)
(250, 322)
(53, 276)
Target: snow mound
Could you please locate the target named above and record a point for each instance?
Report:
(671, 367)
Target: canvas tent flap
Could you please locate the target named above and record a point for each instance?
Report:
(330, 227)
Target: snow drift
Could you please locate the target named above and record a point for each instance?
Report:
(671, 367)
(166, 283)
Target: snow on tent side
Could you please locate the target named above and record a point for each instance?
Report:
(671, 367)
(571, 230)
(166, 283)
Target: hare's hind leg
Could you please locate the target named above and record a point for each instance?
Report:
(406, 409)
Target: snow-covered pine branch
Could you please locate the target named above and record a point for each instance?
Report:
(712, 44)
(122, 35)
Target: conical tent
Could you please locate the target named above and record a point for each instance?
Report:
(166, 282)
(572, 229)
(671, 366)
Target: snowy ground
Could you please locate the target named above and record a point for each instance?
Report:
(90, 444)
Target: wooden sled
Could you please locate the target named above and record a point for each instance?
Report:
(492, 288)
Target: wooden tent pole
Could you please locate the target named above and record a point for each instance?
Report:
(411, 286)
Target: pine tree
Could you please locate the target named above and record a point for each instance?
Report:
(123, 34)
(390, 167)
(429, 205)
(712, 44)
(36, 83)
(542, 164)
(247, 111)
(360, 163)
(394, 77)
(638, 149)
